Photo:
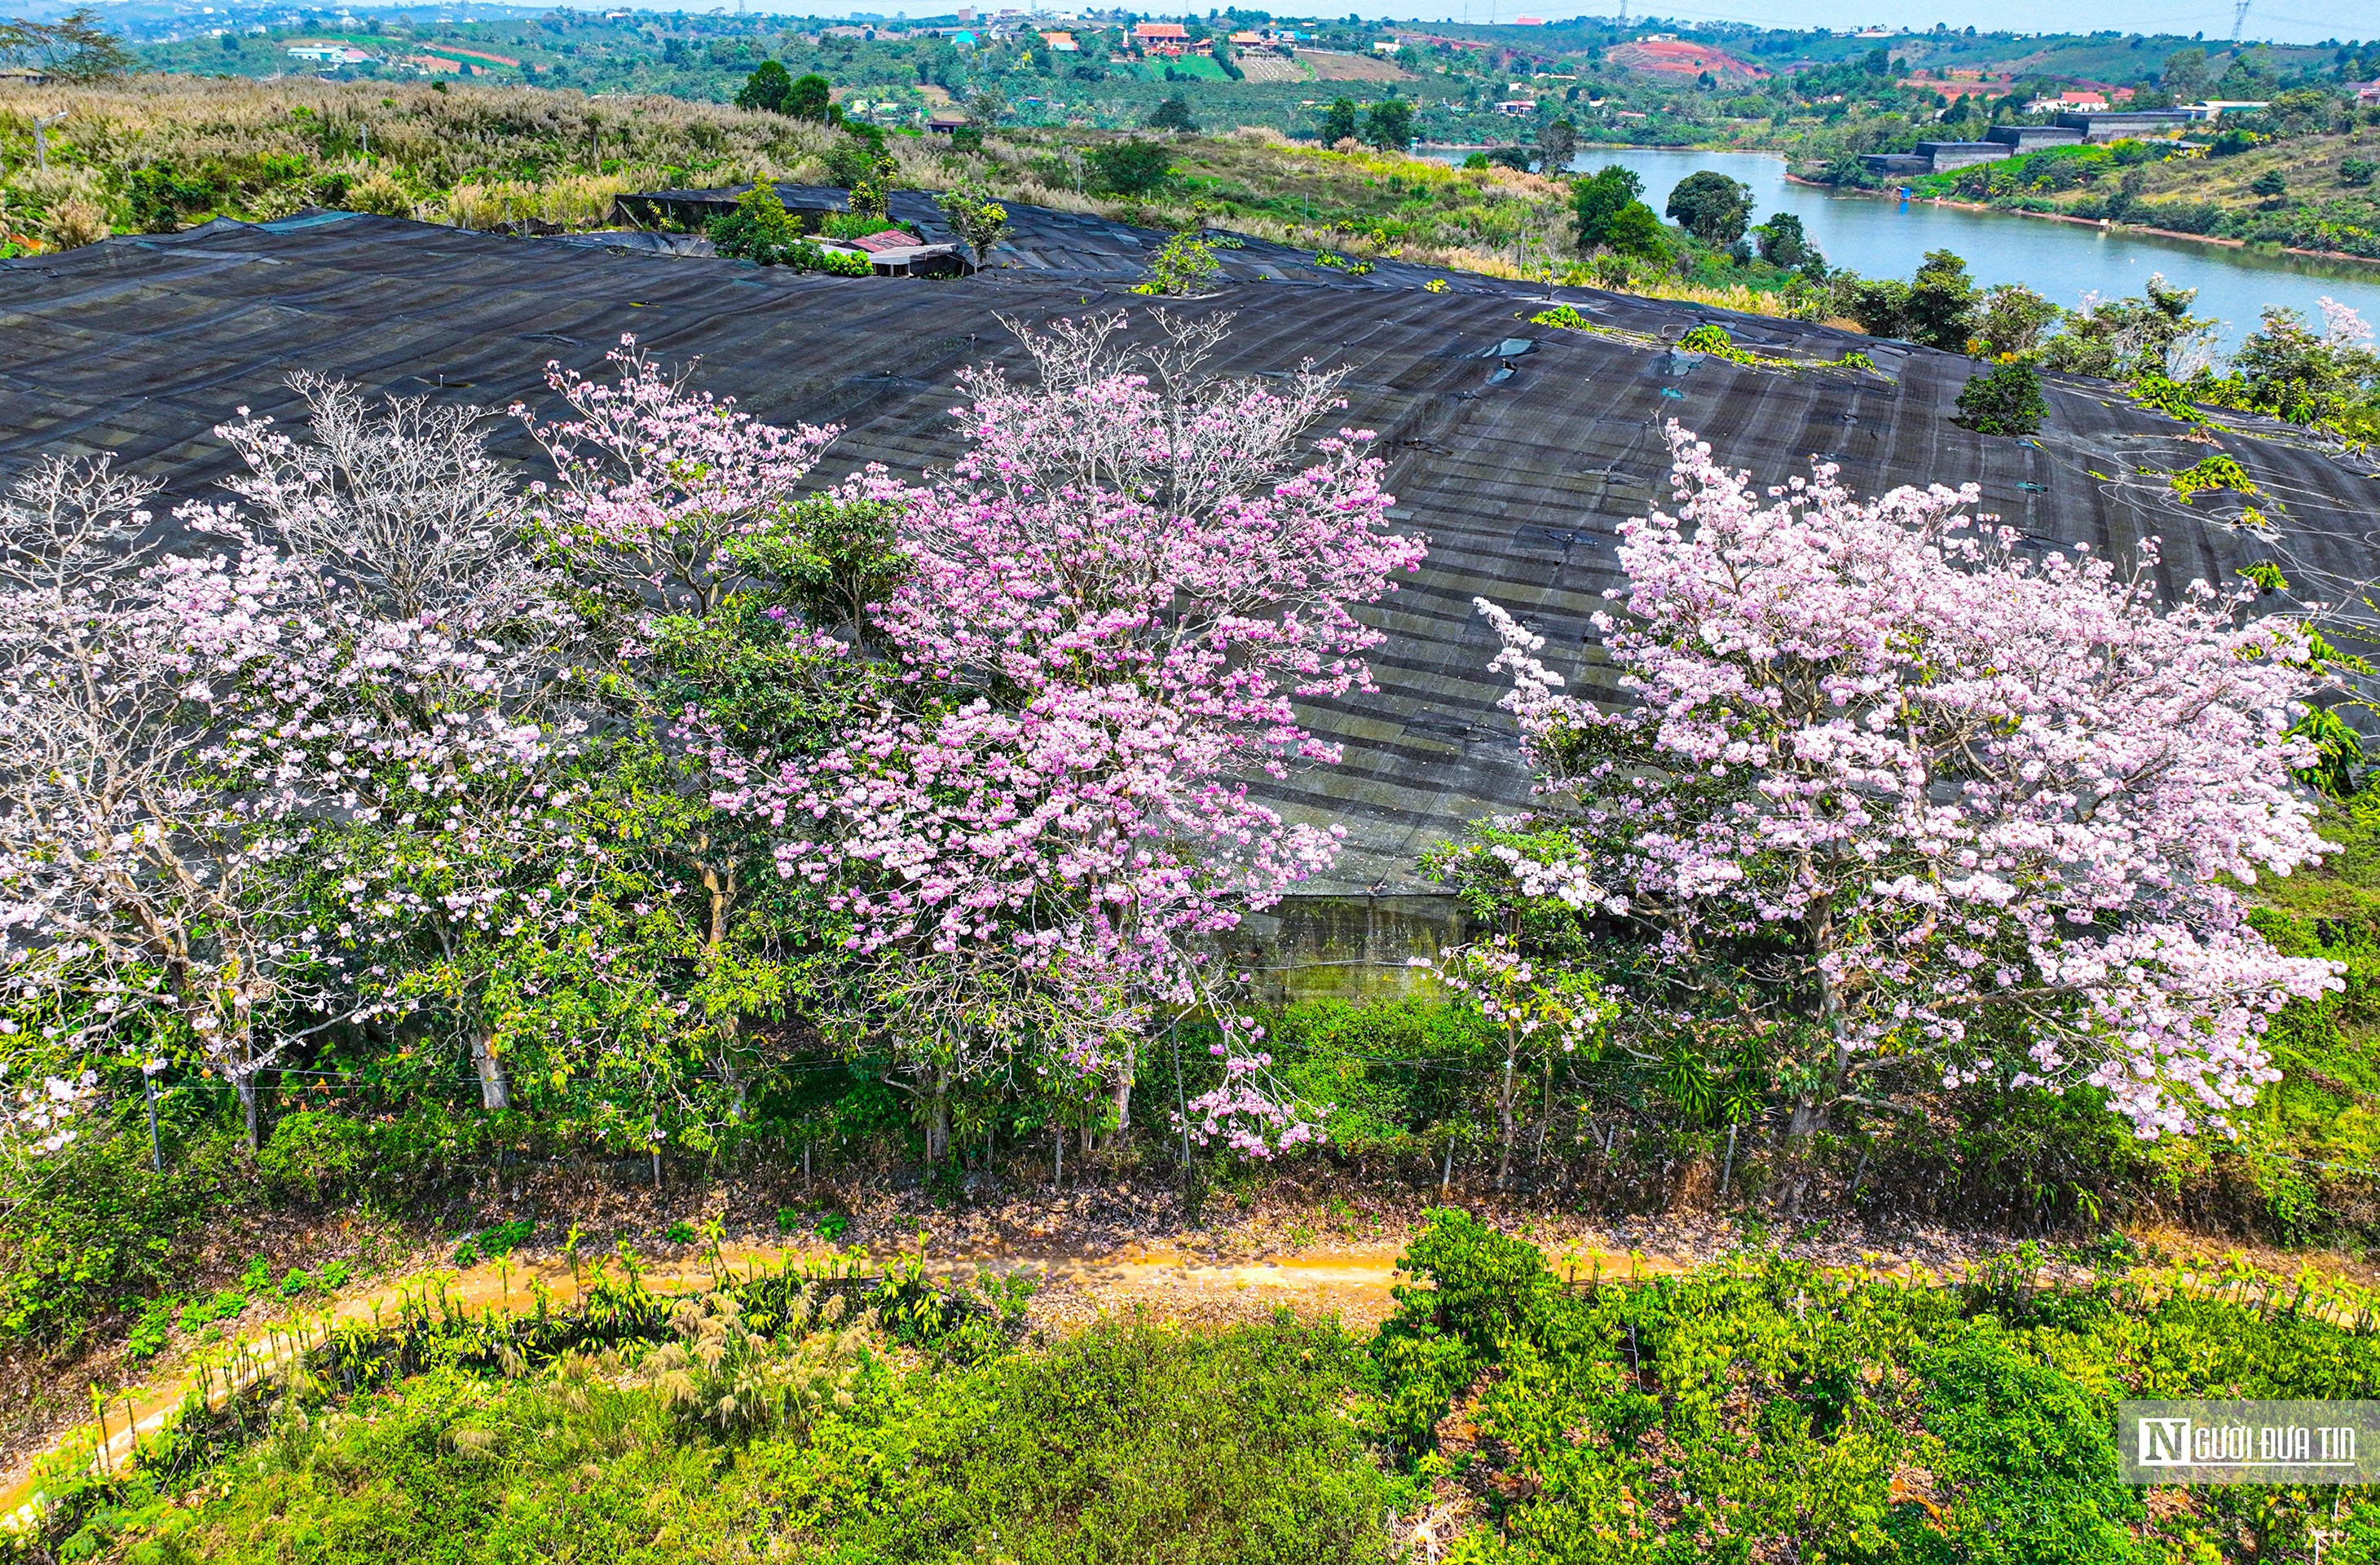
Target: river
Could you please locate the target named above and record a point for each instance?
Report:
(1878, 237)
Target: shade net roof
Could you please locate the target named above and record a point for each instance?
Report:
(1518, 449)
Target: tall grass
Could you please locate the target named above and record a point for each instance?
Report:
(161, 150)
(482, 155)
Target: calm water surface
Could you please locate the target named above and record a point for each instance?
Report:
(1883, 238)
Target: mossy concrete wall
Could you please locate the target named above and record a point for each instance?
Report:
(1342, 947)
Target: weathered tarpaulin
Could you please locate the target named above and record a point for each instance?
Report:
(1517, 448)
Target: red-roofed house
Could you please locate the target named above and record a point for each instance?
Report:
(891, 253)
(1162, 38)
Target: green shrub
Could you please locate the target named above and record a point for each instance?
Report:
(499, 1241)
(2027, 1461)
(92, 1224)
(2005, 400)
(760, 230)
(316, 1156)
(224, 1304)
(1131, 167)
(1131, 1443)
(148, 1337)
(2208, 474)
(1822, 1417)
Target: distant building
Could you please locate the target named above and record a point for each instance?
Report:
(2026, 138)
(1943, 156)
(1161, 38)
(1518, 108)
(2120, 124)
(1061, 43)
(891, 253)
(2215, 108)
(328, 54)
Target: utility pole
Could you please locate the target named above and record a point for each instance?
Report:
(40, 144)
(2239, 18)
(156, 1152)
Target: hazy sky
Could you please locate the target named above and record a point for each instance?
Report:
(2292, 22)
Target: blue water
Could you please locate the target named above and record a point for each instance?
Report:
(1883, 238)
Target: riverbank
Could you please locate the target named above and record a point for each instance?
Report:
(2103, 225)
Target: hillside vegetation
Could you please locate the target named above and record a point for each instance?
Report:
(2312, 191)
(1755, 1409)
(159, 152)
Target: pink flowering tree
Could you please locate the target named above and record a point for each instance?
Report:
(144, 903)
(682, 512)
(482, 857)
(1113, 600)
(1908, 806)
(655, 483)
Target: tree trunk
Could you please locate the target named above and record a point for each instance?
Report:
(720, 881)
(1810, 1110)
(1546, 1113)
(244, 1083)
(938, 1118)
(495, 1092)
(1505, 1118)
(1122, 1097)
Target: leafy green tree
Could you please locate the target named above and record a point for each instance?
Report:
(1131, 168)
(2122, 339)
(1388, 125)
(2289, 371)
(1611, 217)
(1173, 115)
(1784, 243)
(2004, 400)
(1940, 311)
(976, 218)
(1712, 206)
(2012, 320)
(1557, 144)
(77, 47)
(767, 87)
(1339, 121)
(2185, 75)
(809, 97)
(1637, 232)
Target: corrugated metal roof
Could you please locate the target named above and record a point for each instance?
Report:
(1518, 449)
